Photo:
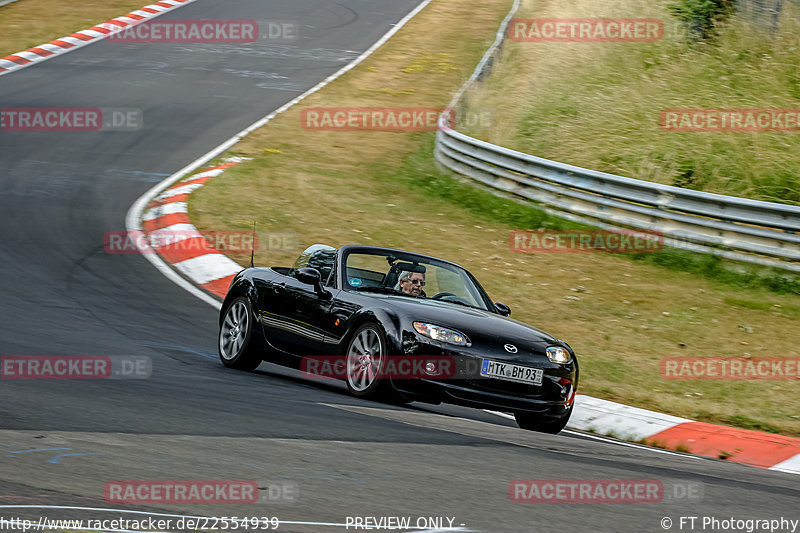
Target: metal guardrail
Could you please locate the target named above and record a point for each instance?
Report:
(738, 228)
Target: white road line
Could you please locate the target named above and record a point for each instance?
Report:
(148, 513)
(36, 527)
(605, 439)
(498, 413)
(631, 444)
(133, 217)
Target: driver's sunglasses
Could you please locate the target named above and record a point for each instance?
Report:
(416, 281)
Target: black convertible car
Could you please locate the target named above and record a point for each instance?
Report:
(398, 325)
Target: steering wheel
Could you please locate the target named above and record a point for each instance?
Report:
(442, 295)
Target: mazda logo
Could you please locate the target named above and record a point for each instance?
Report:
(510, 348)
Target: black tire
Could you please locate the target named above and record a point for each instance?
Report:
(235, 343)
(536, 422)
(368, 381)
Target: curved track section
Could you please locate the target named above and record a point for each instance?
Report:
(62, 441)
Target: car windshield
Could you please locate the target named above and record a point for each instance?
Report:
(414, 276)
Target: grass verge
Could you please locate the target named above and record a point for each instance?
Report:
(28, 23)
(383, 188)
(598, 104)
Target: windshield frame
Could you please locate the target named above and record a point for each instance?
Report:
(402, 255)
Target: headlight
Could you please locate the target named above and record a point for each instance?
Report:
(438, 333)
(559, 355)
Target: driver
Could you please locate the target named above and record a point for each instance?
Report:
(411, 283)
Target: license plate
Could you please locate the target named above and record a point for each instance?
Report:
(511, 372)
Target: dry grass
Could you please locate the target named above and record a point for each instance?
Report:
(28, 23)
(597, 105)
(367, 187)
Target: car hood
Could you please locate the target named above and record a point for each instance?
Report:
(475, 323)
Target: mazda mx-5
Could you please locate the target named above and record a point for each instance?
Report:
(400, 325)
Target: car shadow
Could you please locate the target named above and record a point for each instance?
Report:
(337, 387)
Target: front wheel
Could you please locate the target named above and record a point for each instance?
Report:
(536, 422)
(366, 359)
(236, 346)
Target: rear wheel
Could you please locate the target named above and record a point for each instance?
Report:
(366, 358)
(236, 346)
(536, 422)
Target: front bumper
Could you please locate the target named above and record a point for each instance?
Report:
(456, 393)
(467, 387)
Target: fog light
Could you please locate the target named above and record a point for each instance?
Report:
(567, 390)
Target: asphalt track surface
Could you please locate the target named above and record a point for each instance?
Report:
(61, 294)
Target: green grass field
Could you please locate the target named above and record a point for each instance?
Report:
(598, 104)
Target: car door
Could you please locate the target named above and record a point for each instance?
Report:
(292, 315)
(337, 319)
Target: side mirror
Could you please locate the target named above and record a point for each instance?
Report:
(308, 275)
(503, 309)
(311, 276)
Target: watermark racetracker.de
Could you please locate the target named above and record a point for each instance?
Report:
(730, 368)
(387, 367)
(585, 241)
(191, 492)
(132, 242)
(389, 119)
(70, 119)
(604, 491)
(192, 240)
(75, 367)
(730, 120)
(551, 30)
(208, 31)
